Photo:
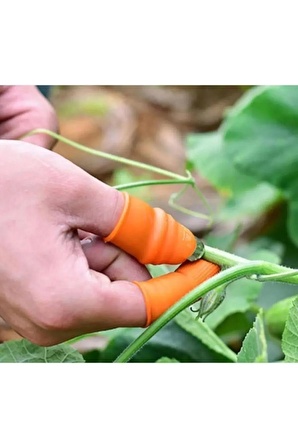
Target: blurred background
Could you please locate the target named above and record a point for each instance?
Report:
(143, 123)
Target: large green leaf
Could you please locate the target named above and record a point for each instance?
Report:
(23, 351)
(261, 140)
(203, 332)
(171, 341)
(254, 347)
(246, 196)
(262, 125)
(290, 334)
(206, 154)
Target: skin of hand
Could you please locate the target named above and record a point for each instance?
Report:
(53, 286)
(22, 109)
(58, 278)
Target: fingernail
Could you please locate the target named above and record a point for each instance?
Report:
(86, 241)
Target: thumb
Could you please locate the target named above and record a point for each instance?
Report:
(149, 234)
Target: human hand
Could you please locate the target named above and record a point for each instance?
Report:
(22, 109)
(53, 286)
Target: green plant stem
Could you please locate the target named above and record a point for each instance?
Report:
(283, 277)
(274, 271)
(187, 180)
(180, 208)
(109, 156)
(144, 183)
(220, 279)
(243, 269)
(221, 257)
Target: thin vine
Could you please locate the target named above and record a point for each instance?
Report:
(187, 180)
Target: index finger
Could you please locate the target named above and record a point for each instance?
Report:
(151, 235)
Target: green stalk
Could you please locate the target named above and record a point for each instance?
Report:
(222, 258)
(105, 155)
(220, 279)
(187, 180)
(282, 277)
(145, 183)
(273, 271)
(243, 269)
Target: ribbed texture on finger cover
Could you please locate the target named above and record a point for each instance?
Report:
(151, 235)
(162, 292)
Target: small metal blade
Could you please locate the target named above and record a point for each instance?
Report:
(198, 252)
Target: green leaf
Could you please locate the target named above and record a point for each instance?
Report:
(23, 351)
(293, 214)
(277, 315)
(250, 203)
(206, 153)
(167, 360)
(234, 327)
(241, 295)
(263, 123)
(261, 140)
(290, 334)
(171, 341)
(254, 347)
(203, 332)
(246, 196)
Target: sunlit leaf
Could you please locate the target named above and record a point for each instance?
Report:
(254, 347)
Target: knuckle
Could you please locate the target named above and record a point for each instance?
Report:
(52, 118)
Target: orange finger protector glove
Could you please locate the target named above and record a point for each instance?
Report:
(162, 292)
(151, 235)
